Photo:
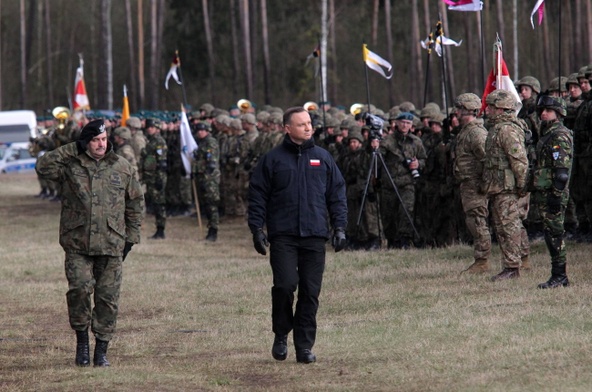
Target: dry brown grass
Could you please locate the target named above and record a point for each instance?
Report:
(195, 316)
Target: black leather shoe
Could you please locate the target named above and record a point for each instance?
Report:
(305, 356)
(279, 350)
(82, 350)
(554, 282)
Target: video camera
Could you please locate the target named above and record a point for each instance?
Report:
(375, 125)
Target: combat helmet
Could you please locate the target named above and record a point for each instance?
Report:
(468, 101)
(531, 82)
(502, 99)
(572, 79)
(407, 107)
(582, 72)
(556, 83)
(556, 103)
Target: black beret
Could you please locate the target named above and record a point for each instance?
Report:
(405, 116)
(92, 129)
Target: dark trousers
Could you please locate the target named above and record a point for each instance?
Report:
(296, 263)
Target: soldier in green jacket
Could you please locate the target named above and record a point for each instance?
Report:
(154, 174)
(550, 180)
(206, 174)
(102, 211)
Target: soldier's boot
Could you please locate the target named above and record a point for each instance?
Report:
(558, 278)
(507, 273)
(478, 267)
(212, 234)
(100, 357)
(159, 235)
(82, 349)
(525, 264)
(43, 193)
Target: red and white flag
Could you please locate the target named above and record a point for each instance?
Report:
(499, 77)
(80, 101)
(464, 5)
(539, 8)
(173, 71)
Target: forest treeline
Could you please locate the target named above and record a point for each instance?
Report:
(256, 49)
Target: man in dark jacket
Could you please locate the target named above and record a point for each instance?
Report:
(296, 190)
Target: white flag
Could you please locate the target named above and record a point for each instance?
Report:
(377, 63)
(439, 42)
(188, 144)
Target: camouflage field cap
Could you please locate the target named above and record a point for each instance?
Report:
(133, 122)
(468, 101)
(123, 132)
(530, 81)
(556, 103)
(502, 99)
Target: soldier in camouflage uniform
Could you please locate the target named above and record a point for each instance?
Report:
(468, 171)
(102, 208)
(504, 178)
(138, 140)
(550, 181)
(154, 174)
(404, 156)
(206, 174)
(122, 137)
(235, 155)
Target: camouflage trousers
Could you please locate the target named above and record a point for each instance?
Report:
(475, 206)
(397, 225)
(368, 228)
(208, 194)
(155, 195)
(99, 276)
(507, 223)
(553, 227)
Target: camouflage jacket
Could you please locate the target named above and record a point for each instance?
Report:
(506, 165)
(572, 110)
(206, 158)
(102, 202)
(469, 152)
(554, 150)
(396, 149)
(126, 151)
(154, 155)
(582, 129)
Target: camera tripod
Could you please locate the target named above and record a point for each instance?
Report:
(373, 171)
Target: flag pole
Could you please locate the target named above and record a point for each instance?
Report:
(559, 57)
(427, 75)
(181, 78)
(440, 33)
(366, 75)
(482, 39)
(322, 103)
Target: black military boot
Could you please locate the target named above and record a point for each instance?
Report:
(212, 234)
(507, 273)
(159, 235)
(100, 357)
(558, 278)
(279, 351)
(82, 349)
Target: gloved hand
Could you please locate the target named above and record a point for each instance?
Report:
(553, 203)
(260, 241)
(126, 249)
(338, 241)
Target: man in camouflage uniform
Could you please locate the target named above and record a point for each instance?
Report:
(122, 137)
(206, 174)
(468, 171)
(404, 157)
(102, 208)
(154, 174)
(550, 180)
(354, 166)
(234, 176)
(138, 140)
(504, 178)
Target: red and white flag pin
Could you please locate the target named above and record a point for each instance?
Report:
(315, 162)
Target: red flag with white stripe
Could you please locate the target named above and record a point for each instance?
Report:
(80, 101)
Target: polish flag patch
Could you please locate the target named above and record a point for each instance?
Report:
(315, 162)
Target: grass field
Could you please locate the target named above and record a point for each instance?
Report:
(195, 316)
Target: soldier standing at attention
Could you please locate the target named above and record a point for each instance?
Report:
(550, 180)
(122, 136)
(138, 140)
(154, 174)
(468, 171)
(206, 174)
(504, 177)
(102, 208)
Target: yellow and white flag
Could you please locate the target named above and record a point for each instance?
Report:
(377, 63)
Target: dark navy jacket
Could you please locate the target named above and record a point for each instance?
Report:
(297, 190)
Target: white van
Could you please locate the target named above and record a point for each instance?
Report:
(17, 126)
(16, 158)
